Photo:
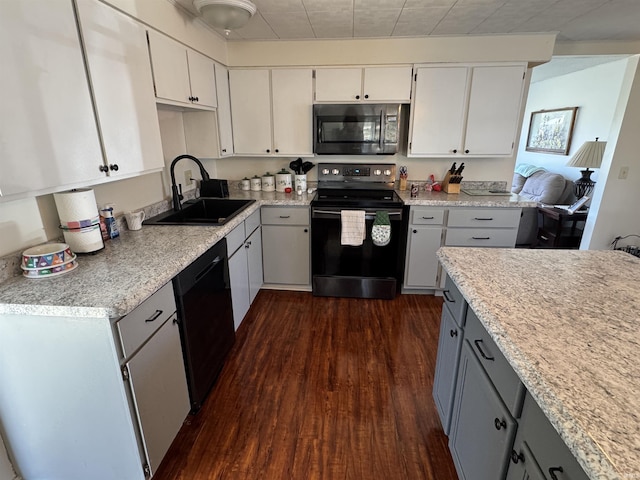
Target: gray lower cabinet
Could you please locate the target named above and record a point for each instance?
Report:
(482, 429)
(423, 240)
(286, 244)
(244, 245)
(538, 451)
(449, 347)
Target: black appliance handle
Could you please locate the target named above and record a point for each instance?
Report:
(317, 213)
(208, 268)
(382, 130)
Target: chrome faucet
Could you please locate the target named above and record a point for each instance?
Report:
(175, 194)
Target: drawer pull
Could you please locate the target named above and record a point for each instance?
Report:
(482, 354)
(553, 470)
(453, 333)
(446, 296)
(481, 238)
(484, 219)
(517, 457)
(154, 316)
(500, 424)
(285, 216)
(427, 218)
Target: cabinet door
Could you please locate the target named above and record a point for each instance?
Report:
(122, 83)
(170, 68)
(438, 111)
(250, 111)
(285, 253)
(159, 386)
(48, 134)
(239, 278)
(526, 467)
(387, 84)
(338, 84)
(444, 382)
(202, 79)
(224, 110)
(494, 109)
(482, 428)
(422, 263)
(254, 260)
(292, 91)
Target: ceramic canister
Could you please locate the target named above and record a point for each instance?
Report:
(256, 184)
(245, 184)
(268, 183)
(283, 180)
(301, 182)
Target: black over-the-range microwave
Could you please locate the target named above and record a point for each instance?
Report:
(357, 129)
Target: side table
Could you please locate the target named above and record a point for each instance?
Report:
(558, 228)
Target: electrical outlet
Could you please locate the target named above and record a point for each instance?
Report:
(188, 177)
(624, 173)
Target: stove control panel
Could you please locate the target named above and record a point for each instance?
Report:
(357, 172)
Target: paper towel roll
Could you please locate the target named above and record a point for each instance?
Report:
(86, 240)
(76, 205)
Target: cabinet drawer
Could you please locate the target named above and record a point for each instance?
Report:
(134, 329)
(484, 217)
(505, 380)
(481, 237)
(251, 223)
(427, 216)
(285, 216)
(454, 301)
(545, 444)
(235, 239)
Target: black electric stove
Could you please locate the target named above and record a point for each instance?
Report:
(367, 270)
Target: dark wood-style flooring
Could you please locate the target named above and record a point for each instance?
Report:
(322, 388)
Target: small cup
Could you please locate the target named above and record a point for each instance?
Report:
(415, 188)
(135, 219)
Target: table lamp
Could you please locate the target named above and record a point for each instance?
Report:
(590, 156)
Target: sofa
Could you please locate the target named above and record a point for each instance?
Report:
(539, 185)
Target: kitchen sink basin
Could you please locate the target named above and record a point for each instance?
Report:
(202, 211)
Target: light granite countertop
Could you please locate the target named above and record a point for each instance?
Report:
(567, 321)
(130, 268)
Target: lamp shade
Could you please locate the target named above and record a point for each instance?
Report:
(589, 155)
(225, 14)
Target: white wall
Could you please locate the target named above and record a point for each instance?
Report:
(595, 91)
(615, 201)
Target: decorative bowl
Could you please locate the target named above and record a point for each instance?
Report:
(51, 271)
(46, 255)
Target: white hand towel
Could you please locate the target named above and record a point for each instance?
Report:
(353, 227)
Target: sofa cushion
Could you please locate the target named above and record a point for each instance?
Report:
(517, 183)
(544, 187)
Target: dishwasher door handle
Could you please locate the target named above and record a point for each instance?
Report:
(208, 268)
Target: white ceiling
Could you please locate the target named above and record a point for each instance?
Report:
(574, 20)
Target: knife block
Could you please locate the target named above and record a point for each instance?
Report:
(449, 187)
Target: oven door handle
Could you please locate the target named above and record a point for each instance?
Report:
(382, 130)
(368, 215)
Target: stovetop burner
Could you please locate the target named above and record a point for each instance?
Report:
(357, 185)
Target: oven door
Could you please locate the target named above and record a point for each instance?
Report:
(366, 271)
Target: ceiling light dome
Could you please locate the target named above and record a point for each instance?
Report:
(225, 14)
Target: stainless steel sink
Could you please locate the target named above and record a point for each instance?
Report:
(202, 211)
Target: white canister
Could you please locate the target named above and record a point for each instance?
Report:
(283, 180)
(245, 184)
(301, 182)
(256, 184)
(268, 183)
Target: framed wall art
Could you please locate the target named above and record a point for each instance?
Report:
(550, 131)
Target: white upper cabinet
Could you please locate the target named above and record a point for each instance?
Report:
(466, 110)
(48, 135)
(259, 128)
(120, 73)
(292, 111)
(181, 76)
(224, 111)
(369, 84)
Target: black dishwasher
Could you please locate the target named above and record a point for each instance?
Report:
(205, 314)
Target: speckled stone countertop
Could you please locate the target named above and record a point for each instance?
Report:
(567, 321)
(441, 199)
(115, 280)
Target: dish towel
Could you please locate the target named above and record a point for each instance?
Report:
(353, 227)
(381, 230)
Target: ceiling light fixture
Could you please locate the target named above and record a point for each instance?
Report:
(225, 14)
